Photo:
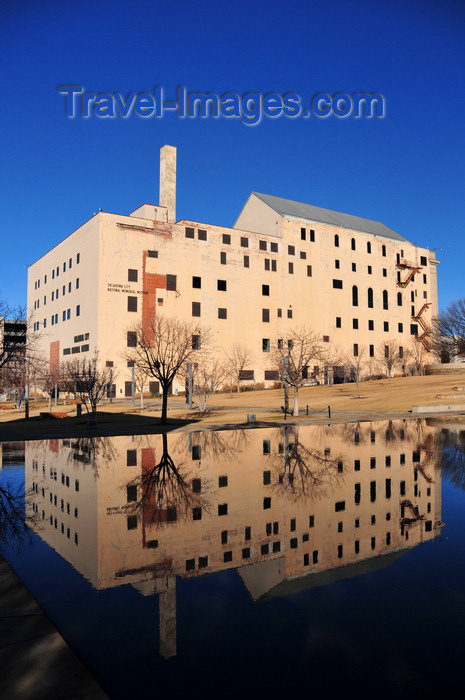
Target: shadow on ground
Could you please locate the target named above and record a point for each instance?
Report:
(104, 425)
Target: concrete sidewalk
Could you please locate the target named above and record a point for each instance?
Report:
(35, 661)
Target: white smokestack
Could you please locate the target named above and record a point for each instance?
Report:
(168, 181)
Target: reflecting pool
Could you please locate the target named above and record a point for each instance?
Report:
(323, 559)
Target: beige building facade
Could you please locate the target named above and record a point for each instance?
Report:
(283, 266)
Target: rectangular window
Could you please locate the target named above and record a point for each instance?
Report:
(222, 509)
(189, 232)
(262, 245)
(303, 255)
(246, 261)
(400, 327)
(266, 345)
(354, 267)
(78, 310)
(244, 242)
(195, 308)
(338, 322)
(223, 258)
(386, 326)
(337, 284)
(371, 325)
(132, 275)
(131, 339)
(171, 283)
(309, 270)
(337, 264)
(355, 323)
(78, 258)
(196, 343)
(291, 268)
(222, 313)
(226, 239)
(289, 313)
(202, 234)
(131, 494)
(222, 481)
(221, 285)
(291, 250)
(372, 351)
(265, 315)
(132, 303)
(266, 290)
(197, 282)
(355, 349)
(274, 247)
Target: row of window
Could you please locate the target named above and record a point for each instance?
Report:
(56, 271)
(244, 240)
(66, 315)
(56, 293)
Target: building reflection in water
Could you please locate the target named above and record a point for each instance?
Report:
(290, 508)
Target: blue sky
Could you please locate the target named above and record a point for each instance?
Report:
(406, 170)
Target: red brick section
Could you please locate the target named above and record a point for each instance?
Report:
(53, 445)
(150, 283)
(151, 514)
(54, 356)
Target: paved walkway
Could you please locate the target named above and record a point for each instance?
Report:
(35, 661)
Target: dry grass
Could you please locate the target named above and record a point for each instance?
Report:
(381, 396)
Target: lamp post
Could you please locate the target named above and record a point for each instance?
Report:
(286, 386)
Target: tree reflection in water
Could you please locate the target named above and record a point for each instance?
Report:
(302, 471)
(165, 491)
(14, 524)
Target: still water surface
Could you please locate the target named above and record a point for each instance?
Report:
(265, 562)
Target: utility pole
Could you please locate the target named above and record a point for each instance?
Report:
(133, 385)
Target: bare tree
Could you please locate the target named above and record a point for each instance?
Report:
(140, 380)
(356, 364)
(209, 375)
(452, 324)
(89, 380)
(12, 333)
(293, 357)
(238, 358)
(13, 350)
(163, 346)
(417, 357)
(388, 356)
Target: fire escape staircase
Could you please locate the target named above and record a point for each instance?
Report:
(411, 267)
(425, 337)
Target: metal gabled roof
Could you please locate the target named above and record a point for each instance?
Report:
(287, 207)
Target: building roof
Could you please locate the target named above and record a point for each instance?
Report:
(287, 207)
